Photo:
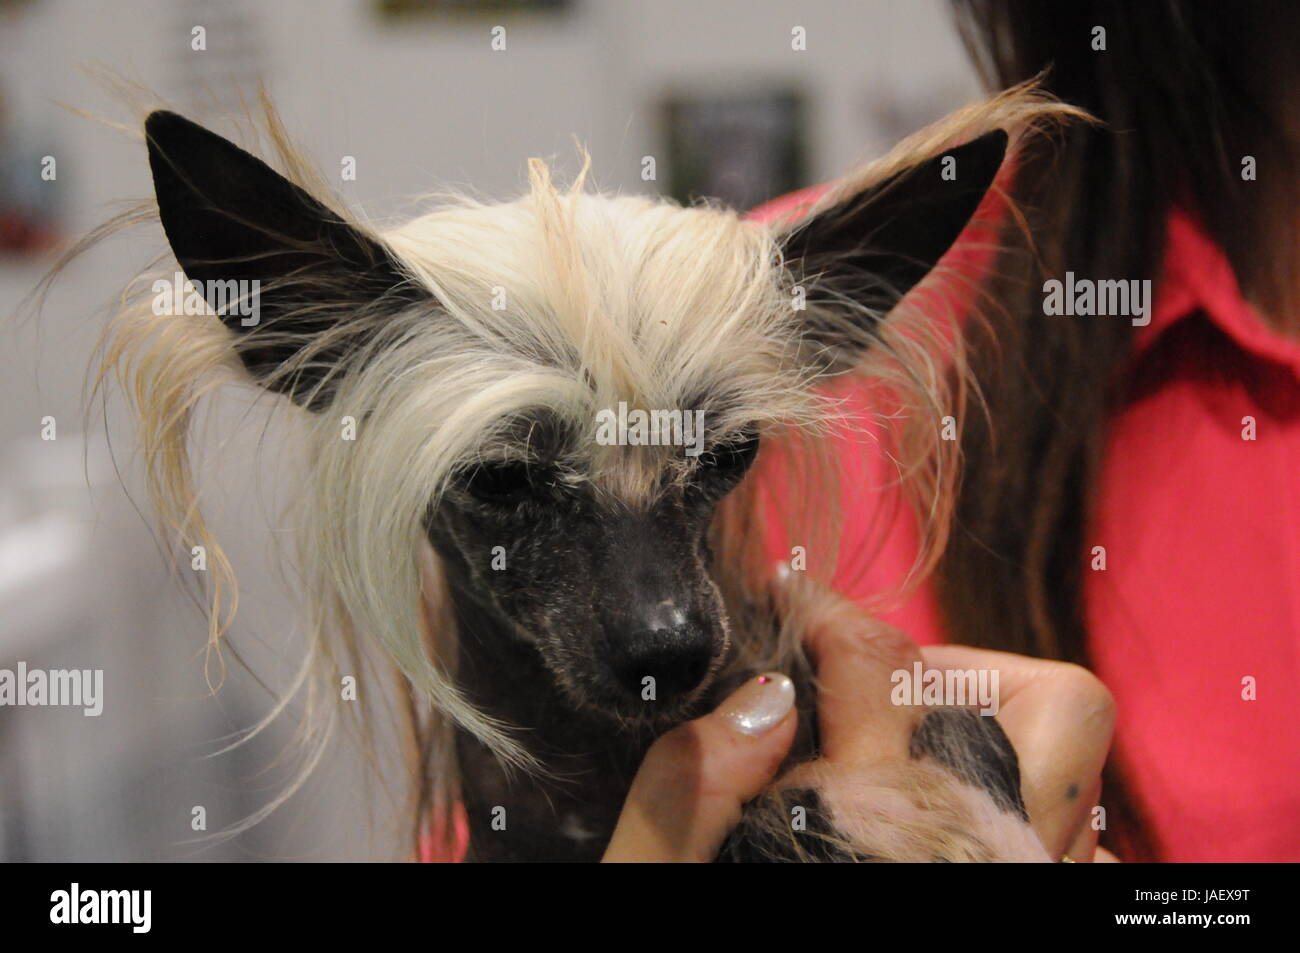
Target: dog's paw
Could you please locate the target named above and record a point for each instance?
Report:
(955, 798)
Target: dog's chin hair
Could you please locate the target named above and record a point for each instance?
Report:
(652, 721)
(648, 725)
(655, 720)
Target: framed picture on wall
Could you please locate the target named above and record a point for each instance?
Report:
(28, 207)
(738, 147)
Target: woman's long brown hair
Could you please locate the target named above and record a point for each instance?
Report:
(1185, 90)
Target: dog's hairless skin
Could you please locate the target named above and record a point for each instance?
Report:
(591, 753)
(569, 819)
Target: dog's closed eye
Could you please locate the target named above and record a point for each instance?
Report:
(502, 484)
(733, 458)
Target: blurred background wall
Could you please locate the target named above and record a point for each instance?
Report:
(412, 91)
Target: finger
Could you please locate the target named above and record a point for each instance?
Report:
(1083, 846)
(1060, 719)
(857, 659)
(1061, 727)
(691, 787)
(1015, 672)
(1103, 856)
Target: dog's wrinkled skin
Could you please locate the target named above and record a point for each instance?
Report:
(609, 626)
(604, 593)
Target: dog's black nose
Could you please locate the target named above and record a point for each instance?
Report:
(668, 646)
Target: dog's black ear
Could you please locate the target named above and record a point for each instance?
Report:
(873, 247)
(229, 217)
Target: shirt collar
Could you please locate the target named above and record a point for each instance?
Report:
(1196, 278)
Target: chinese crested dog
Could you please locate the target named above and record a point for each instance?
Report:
(554, 443)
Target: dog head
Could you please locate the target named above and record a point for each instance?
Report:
(558, 391)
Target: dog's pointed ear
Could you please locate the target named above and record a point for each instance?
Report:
(229, 217)
(875, 246)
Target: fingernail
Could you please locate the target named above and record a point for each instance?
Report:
(760, 704)
(782, 571)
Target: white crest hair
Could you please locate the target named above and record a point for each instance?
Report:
(609, 298)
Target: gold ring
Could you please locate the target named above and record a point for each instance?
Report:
(1067, 859)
